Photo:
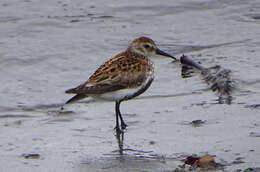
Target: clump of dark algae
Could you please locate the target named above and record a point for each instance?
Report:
(217, 77)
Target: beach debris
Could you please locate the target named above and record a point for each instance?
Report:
(253, 169)
(203, 162)
(238, 160)
(253, 106)
(195, 163)
(217, 77)
(197, 123)
(254, 134)
(31, 155)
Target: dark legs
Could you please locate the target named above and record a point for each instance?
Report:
(118, 114)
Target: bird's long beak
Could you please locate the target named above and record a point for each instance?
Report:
(160, 52)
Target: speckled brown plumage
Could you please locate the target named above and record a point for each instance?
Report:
(126, 70)
(123, 77)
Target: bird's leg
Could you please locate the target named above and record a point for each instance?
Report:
(117, 122)
(123, 124)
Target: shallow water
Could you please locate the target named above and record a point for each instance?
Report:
(48, 46)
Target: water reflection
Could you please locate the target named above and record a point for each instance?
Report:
(187, 71)
(129, 152)
(120, 141)
(225, 100)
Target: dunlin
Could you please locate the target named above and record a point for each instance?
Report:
(123, 77)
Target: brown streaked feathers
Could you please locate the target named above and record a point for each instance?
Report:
(123, 71)
(121, 78)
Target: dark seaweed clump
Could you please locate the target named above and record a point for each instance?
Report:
(218, 78)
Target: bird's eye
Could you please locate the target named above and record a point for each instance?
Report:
(147, 46)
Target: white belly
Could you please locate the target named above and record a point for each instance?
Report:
(117, 95)
(123, 93)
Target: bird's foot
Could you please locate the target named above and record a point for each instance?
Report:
(123, 125)
(118, 130)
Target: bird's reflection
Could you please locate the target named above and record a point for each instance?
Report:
(120, 141)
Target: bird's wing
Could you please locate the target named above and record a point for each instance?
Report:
(117, 73)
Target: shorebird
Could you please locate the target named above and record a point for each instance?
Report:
(123, 77)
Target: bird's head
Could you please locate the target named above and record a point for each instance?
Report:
(146, 47)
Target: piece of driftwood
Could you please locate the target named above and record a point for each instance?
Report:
(217, 77)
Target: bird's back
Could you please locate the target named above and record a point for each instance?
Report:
(126, 70)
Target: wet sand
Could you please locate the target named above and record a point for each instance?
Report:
(48, 46)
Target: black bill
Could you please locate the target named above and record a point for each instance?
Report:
(160, 52)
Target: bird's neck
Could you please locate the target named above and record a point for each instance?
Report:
(135, 53)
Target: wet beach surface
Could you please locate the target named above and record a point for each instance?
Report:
(48, 46)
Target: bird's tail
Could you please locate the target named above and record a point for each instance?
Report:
(71, 91)
(76, 98)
